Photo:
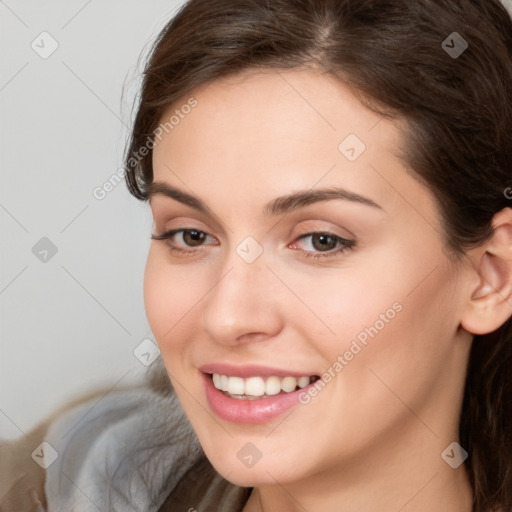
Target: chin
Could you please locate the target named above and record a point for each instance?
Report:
(237, 466)
(245, 477)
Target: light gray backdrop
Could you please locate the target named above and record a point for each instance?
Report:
(71, 267)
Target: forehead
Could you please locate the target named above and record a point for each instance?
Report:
(282, 109)
(269, 132)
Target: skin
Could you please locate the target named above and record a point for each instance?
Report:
(373, 437)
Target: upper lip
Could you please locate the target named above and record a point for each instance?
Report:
(246, 371)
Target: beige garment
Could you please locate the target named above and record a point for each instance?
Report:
(19, 473)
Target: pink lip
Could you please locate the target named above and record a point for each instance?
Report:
(250, 371)
(248, 411)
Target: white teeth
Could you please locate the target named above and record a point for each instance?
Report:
(302, 382)
(236, 386)
(254, 386)
(258, 386)
(289, 384)
(273, 385)
(224, 380)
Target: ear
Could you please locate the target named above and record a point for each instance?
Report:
(490, 302)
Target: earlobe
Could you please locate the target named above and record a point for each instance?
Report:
(490, 303)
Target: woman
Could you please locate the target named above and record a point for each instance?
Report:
(330, 277)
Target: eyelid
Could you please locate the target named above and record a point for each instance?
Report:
(167, 212)
(314, 227)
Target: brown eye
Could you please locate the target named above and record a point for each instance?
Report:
(323, 242)
(193, 238)
(184, 238)
(323, 245)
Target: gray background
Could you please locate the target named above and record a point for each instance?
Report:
(69, 324)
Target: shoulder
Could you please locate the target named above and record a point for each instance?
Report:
(107, 450)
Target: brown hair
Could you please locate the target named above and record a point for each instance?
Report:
(458, 112)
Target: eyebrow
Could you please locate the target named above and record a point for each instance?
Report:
(279, 205)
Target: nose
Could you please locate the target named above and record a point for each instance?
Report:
(243, 304)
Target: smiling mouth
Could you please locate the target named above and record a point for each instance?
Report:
(255, 388)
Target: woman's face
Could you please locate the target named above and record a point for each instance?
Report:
(308, 251)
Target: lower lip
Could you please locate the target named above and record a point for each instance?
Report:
(248, 411)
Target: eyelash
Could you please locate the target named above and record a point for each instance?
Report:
(346, 245)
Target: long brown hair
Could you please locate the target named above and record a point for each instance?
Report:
(458, 111)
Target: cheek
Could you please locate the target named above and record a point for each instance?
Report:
(170, 298)
(341, 304)
(396, 314)
(404, 352)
